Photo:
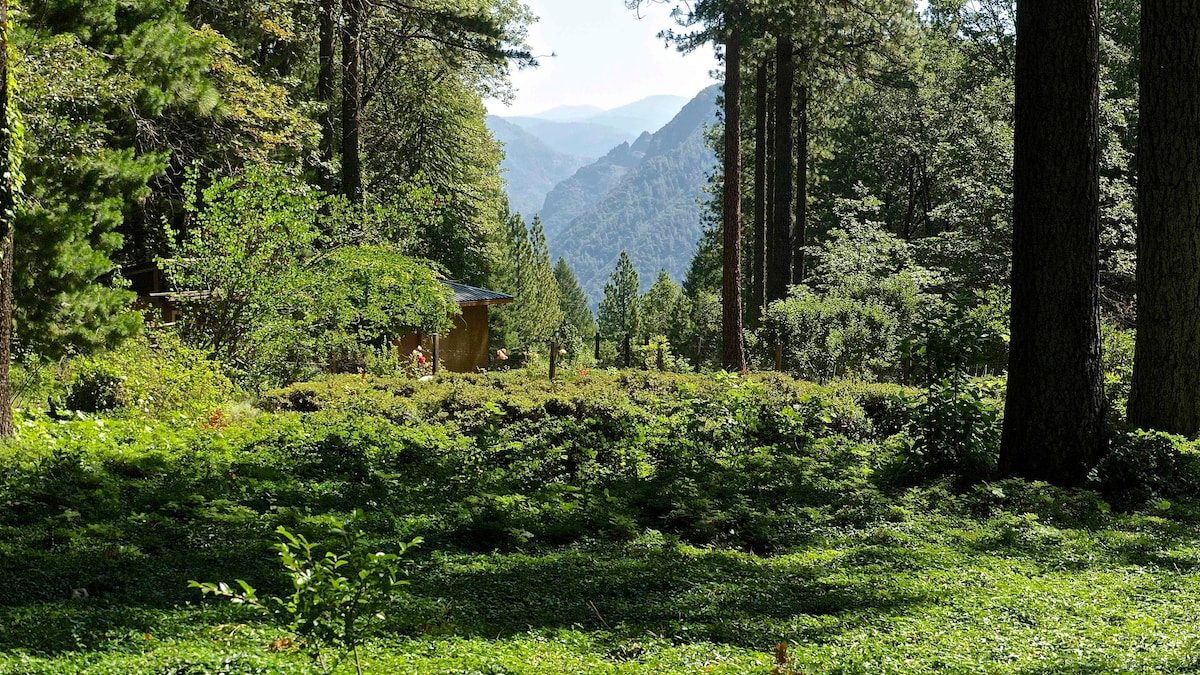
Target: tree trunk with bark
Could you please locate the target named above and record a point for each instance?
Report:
(758, 267)
(1054, 406)
(325, 89)
(800, 233)
(1166, 375)
(779, 271)
(734, 353)
(353, 12)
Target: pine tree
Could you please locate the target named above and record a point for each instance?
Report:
(663, 309)
(573, 302)
(619, 315)
(532, 319)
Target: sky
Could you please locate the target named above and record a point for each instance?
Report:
(604, 56)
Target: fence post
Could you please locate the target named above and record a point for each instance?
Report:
(553, 358)
(779, 356)
(437, 353)
(597, 346)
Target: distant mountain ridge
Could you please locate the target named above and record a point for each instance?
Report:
(531, 168)
(644, 198)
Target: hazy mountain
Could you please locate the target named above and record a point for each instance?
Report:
(579, 139)
(576, 195)
(647, 114)
(569, 113)
(531, 167)
(653, 211)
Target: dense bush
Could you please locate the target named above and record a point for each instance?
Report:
(152, 375)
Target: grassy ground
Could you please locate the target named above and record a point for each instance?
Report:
(702, 528)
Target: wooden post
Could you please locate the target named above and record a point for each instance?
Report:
(597, 346)
(779, 356)
(627, 338)
(553, 358)
(437, 353)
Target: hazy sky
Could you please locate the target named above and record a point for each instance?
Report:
(605, 56)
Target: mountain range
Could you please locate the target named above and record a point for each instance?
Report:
(641, 195)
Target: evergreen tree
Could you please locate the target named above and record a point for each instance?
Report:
(531, 320)
(573, 302)
(664, 311)
(619, 317)
(1054, 405)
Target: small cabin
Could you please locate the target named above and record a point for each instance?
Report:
(465, 348)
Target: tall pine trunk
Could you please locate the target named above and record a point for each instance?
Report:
(758, 267)
(1166, 375)
(779, 271)
(1054, 406)
(8, 213)
(325, 88)
(734, 353)
(800, 233)
(353, 12)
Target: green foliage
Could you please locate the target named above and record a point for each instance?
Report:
(1147, 467)
(150, 376)
(619, 317)
(335, 598)
(833, 336)
(955, 430)
(1117, 345)
(266, 293)
(573, 302)
(536, 315)
(671, 502)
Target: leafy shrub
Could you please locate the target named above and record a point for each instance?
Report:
(955, 427)
(335, 598)
(833, 336)
(1146, 466)
(1117, 348)
(97, 386)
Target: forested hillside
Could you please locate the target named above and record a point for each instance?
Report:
(531, 168)
(653, 210)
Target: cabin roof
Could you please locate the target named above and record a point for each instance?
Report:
(469, 296)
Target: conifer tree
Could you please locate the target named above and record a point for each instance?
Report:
(532, 318)
(573, 302)
(664, 311)
(619, 316)
(1165, 392)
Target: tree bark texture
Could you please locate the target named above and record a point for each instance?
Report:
(1054, 407)
(353, 12)
(1166, 376)
(758, 267)
(800, 233)
(325, 88)
(8, 210)
(779, 270)
(734, 353)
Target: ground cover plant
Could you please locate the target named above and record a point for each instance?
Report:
(613, 523)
